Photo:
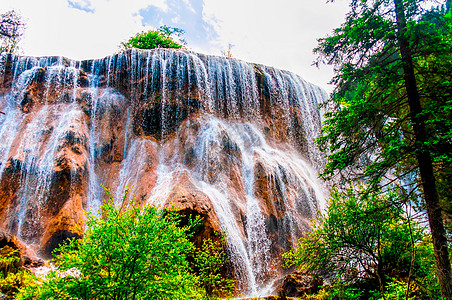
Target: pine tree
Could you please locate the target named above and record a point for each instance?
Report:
(383, 119)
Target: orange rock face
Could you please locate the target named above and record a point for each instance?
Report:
(218, 138)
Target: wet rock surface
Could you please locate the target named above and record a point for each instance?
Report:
(228, 141)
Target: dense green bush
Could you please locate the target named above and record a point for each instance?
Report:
(129, 252)
(164, 37)
(126, 253)
(13, 277)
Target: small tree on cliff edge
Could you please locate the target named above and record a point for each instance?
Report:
(387, 121)
(164, 37)
(11, 30)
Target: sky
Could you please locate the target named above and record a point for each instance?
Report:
(278, 33)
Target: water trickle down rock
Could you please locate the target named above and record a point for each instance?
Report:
(227, 140)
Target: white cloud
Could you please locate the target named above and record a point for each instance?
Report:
(81, 4)
(187, 2)
(279, 33)
(56, 28)
(175, 19)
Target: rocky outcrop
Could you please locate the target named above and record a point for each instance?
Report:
(218, 138)
(28, 259)
(43, 205)
(191, 202)
(299, 284)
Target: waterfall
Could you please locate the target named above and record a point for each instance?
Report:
(238, 135)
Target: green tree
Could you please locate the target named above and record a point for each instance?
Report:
(164, 37)
(209, 260)
(384, 119)
(126, 253)
(11, 30)
(365, 240)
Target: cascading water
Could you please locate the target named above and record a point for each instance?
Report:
(176, 125)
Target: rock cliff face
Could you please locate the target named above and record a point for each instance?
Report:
(224, 139)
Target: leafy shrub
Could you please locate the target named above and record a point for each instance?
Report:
(395, 290)
(365, 241)
(12, 277)
(126, 253)
(164, 37)
(208, 261)
(340, 291)
(337, 291)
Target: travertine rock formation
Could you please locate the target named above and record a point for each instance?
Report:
(226, 140)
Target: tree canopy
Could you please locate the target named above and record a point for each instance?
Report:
(363, 240)
(388, 120)
(11, 30)
(132, 252)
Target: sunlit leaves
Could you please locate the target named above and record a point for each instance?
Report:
(126, 253)
(209, 260)
(164, 37)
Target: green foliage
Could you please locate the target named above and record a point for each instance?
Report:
(358, 233)
(164, 37)
(340, 291)
(336, 291)
(208, 261)
(366, 243)
(395, 290)
(12, 277)
(388, 122)
(368, 126)
(126, 253)
(424, 284)
(129, 252)
(368, 131)
(8, 259)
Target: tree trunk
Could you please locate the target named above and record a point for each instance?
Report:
(424, 159)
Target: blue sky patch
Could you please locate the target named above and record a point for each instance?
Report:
(84, 5)
(186, 15)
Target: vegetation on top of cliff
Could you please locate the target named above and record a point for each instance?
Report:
(129, 252)
(11, 30)
(164, 37)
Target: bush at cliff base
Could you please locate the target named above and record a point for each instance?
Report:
(208, 262)
(126, 253)
(13, 277)
(370, 247)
